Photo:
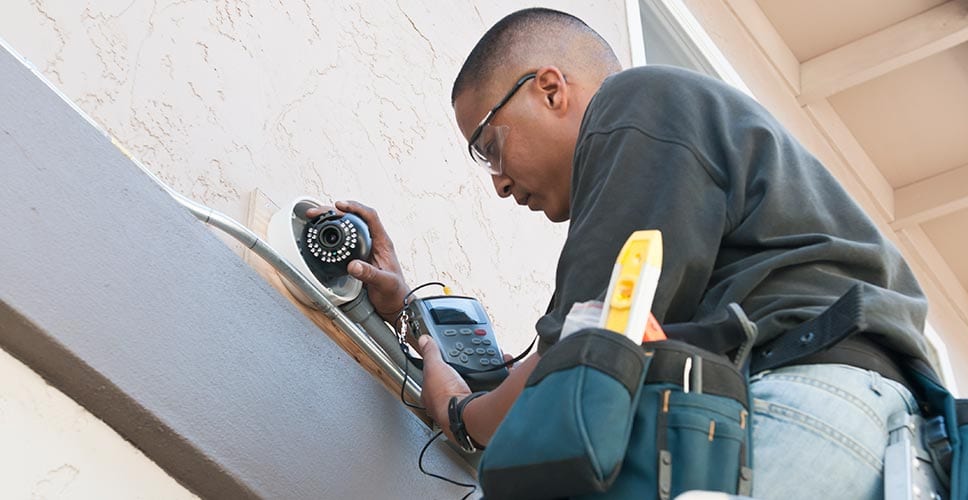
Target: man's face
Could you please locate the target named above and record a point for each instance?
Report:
(526, 140)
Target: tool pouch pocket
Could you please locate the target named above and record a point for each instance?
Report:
(945, 433)
(568, 432)
(692, 428)
(959, 455)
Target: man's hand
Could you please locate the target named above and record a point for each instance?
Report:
(382, 276)
(482, 415)
(440, 384)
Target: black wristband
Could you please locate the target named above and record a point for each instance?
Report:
(455, 414)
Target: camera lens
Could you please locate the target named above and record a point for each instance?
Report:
(332, 241)
(330, 236)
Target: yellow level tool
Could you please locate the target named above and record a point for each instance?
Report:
(631, 290)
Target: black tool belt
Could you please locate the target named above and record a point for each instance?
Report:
(716, 377)
(862, 352)
(835, 336)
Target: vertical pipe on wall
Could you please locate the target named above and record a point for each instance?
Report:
(633, 16)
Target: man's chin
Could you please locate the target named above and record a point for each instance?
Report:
(556, 217)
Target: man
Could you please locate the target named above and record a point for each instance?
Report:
(747, 216)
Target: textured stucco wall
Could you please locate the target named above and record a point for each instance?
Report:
(333, 99)
(337, 100)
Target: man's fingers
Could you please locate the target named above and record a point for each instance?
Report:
(436, 389)
(433, 362)
(384, 283)
(355, 207)
(507, 359)
(312, 213)
(435, 368)
(370, 275)
(428, 349)
(368, 215)
(441, 382)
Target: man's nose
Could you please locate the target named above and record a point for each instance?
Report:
(502, 184)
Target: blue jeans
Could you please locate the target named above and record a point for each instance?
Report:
(820, 431)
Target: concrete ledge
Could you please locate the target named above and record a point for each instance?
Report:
(61, 368)
(122, 300)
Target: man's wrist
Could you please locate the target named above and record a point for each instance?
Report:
(458, 428)
(403, 291)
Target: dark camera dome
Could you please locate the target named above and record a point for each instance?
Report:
(331, 241)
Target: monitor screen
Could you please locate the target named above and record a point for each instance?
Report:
(452, 311)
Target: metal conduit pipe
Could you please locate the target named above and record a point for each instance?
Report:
(365, 342)
(361, 311)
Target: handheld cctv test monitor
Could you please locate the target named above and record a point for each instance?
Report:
(463, 331)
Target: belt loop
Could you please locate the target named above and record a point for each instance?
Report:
(756, 377)
(877, 382)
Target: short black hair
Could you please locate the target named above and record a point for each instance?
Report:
(496, 46)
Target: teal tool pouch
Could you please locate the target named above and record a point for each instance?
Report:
(692, 428)
(568, 431)
(603, 417)
(945, 428)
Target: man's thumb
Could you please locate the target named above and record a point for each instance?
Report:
(427, 347)
(361, 271)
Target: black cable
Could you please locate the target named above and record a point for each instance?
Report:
(473, 487)
(442, 478)
(407, 296)
(509, 363)
(405, 348)
(406, 374)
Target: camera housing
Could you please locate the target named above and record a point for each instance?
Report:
(336, 239)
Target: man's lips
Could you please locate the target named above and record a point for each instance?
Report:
(522, 200)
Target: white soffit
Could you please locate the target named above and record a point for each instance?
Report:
(840, 22)
(912, 122)
(950, 236)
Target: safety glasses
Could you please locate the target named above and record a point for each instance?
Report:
(487, 141)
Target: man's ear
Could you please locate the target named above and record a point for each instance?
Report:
(553, 87)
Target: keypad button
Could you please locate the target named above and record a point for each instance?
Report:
(476, 341)
(463, 358)
(465, 331)
(495, 361)
(454, 352)
(485, 361)
(480, 331)
(459, 345)
(450, 332)
(491, 351)
(486, 341)
(469, 350)
(480, 350)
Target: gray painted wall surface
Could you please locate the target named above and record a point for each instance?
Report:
(121, 299)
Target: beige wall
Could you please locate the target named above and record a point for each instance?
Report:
(336, 100)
